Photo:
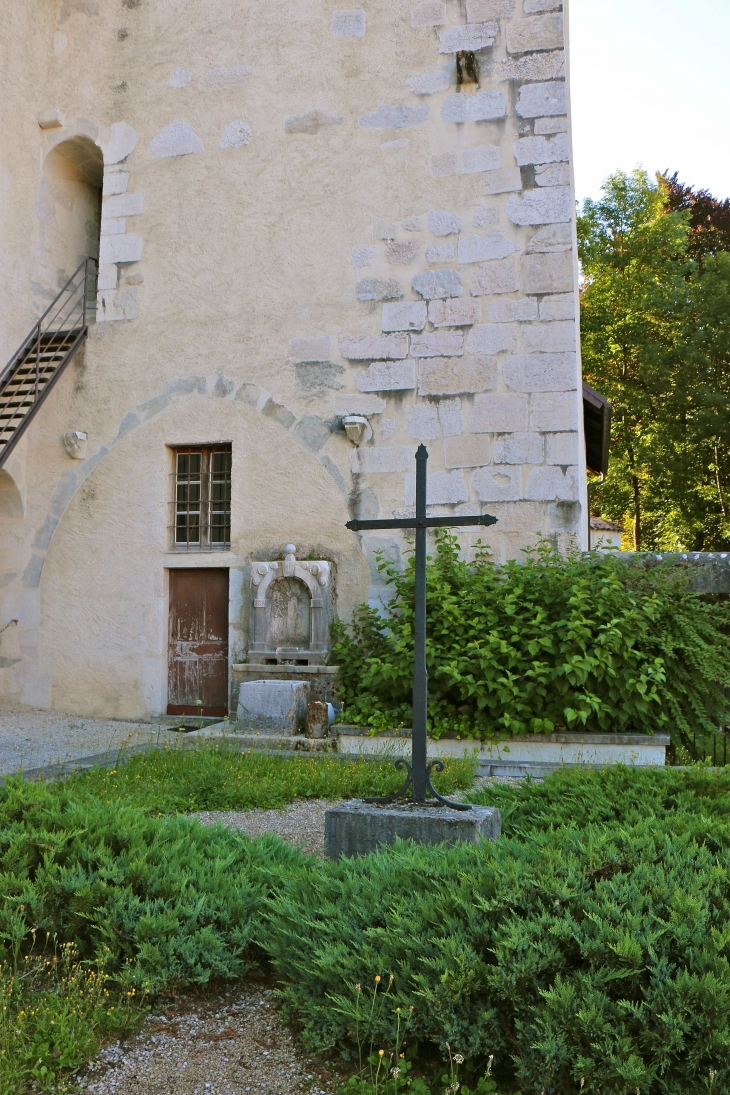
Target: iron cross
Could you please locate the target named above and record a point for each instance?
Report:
(419, 771)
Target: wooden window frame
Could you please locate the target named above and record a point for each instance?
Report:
(201, 487)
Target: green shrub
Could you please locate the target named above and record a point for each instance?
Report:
(157, 902)
(212, 777)
(583, 644)
(594, 957)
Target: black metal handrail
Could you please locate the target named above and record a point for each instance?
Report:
(59, 332)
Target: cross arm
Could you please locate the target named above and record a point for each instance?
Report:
(422, 522)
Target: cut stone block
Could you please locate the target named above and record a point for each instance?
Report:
(478, 11)
(438, 344)
(503, 181)
(538, 100)
(410, 315)
(454, 376)
(422, 421)
(176, 139)
(550, 205)
(270, 706)
(359, 828)
(378, 289)
(561, 448)
(443, 488)
(438, 284)
(511, 311)
(387, 376)
(365, 347)
(541, 372)
(237, 134)
(116, 304)
(550, 125)
(456, 312)
(467, 451)
(494, 245)
(556, 237)
(123, 205)
(115, 181)
(122, 142)
(123, 248)
(518, 448)
(539, 150)
(402, 253)
(552, 174)
(472, 37)
(485, 158)
(491, 338)
(551, 273)
(493, 278)
(548, 338)
(552, 484)
(452, 423)
(443, 223)
(359, 404)
(536, 33)
(499, 412)
(368, 460)
(536, 66)
(532, 6)
(318, 719)
(500, 483)
(554, 411)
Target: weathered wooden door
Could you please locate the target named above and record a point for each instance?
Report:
(198, 647)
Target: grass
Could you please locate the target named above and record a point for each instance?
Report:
(213, 777)
(55, 1015)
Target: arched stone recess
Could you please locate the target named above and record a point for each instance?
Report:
(100, 578)
(82, 209)
(215, 386)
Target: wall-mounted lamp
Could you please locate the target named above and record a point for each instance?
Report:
(357, 428)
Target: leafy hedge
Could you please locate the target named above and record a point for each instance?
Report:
(159, 901)
(591, 958)
(582, 644)
(591, 943)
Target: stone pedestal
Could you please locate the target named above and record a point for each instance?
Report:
(358, 828)
(272, 706)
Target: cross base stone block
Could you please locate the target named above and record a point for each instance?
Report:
(358, 828)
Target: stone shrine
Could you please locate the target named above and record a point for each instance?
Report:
(291, 611)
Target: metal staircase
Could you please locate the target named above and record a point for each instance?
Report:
(41, 358)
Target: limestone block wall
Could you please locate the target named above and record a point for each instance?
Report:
(304, 216)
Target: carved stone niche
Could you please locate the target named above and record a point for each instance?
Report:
(291, 611)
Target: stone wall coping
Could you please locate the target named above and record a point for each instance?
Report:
(264, 670)
(347, 730)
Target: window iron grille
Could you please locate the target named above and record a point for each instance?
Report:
(201, 505)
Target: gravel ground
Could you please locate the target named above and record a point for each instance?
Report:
(302, 823)
(30, 738)
(232, 1044)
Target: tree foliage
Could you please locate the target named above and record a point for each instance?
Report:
(655, 338)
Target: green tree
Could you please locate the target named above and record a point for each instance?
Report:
(655, 337)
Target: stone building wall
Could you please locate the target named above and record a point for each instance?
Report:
(303, 217)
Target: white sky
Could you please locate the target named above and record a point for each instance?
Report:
(650, 85)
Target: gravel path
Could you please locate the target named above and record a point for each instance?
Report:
(233, 1044)
(30, 738)
(302, 822)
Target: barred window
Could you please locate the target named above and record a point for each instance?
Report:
(202, 498)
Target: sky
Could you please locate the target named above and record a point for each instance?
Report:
(650, 86)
